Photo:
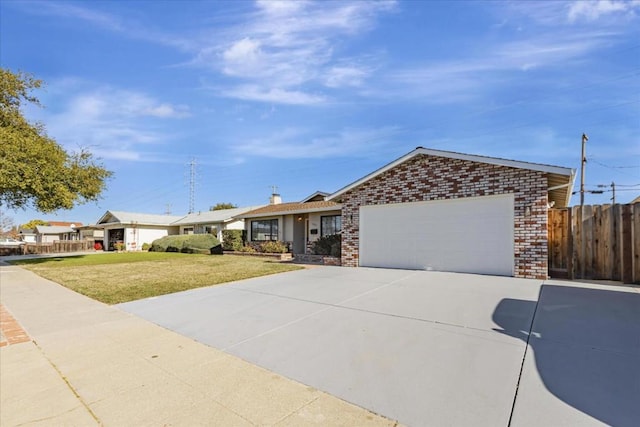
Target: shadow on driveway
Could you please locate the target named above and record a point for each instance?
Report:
(586, 347)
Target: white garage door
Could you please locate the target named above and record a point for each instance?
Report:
(469, 235)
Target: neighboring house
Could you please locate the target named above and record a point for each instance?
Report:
(28, 235)
(54, 233)
(446, 211)
(91, 232)
(213, 222)
(297, 224)
(135, 229)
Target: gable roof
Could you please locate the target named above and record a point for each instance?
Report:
(559, 179)
(54, 229)
(222, 215)
(65, 223)
(315, 197)
(120, 217)
(292, 208)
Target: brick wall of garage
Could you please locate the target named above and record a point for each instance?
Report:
(424, 178)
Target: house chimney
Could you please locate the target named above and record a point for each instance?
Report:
(275, 199)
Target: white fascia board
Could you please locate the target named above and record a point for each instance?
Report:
(572, 182)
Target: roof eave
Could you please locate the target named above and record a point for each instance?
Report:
(291, 212)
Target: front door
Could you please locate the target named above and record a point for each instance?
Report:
(299, 234)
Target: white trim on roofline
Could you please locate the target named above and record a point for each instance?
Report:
(453, 155)
(317, 193)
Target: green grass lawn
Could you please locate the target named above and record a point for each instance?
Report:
(121, 277)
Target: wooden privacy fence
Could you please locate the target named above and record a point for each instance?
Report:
(59, 246)
(599, 242)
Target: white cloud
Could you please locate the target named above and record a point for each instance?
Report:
(340, 76)
(297, 144)
(273, 95)
(112, 123)
(285, 46)
(113, 23)
(595, 9)
(463, 79)
(243, 58)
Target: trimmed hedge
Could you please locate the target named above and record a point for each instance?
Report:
(232, 240)
(185, 243)
(273, 247)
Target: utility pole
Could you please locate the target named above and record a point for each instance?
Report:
(585, 138)
(613, 189)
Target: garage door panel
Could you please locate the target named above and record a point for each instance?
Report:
(471, 235)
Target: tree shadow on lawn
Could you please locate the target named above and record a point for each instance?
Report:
(43, 259)
(586, 345)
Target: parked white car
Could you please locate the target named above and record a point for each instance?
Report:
(9, 242)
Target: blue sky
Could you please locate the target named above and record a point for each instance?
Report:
(314, 95)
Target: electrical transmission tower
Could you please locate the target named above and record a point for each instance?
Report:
(192, 185)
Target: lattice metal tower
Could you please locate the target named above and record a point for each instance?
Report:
(192, 185)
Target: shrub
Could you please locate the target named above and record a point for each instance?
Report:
(274, 247)
(145, 246)
(231, 240)
(328, 245)
(247, 249)
(186, 243)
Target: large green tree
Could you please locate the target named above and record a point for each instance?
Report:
(221, 206)
(33, 224)
(35, 171)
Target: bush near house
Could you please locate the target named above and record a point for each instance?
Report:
(232, 240)
(187, 243)
(328, 245)
(274, 247)
(145, 246)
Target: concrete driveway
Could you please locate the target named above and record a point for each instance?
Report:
(430, 348)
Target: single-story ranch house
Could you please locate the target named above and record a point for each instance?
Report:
(213, 222)
(440, 210)
(135, 229)
(52, 233)
(298, 224)
(427, 210)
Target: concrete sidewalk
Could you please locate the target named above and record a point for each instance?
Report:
(91, 364)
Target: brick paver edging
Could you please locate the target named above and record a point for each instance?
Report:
(12, 332)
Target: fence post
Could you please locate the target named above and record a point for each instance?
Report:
(627, 248)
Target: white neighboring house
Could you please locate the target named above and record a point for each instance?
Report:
(135, 229)
(213, 222)
(54, 233)
(28, 235)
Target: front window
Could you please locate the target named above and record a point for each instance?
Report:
(264, 229)
(330, 225)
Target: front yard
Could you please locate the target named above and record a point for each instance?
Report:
(122, 277)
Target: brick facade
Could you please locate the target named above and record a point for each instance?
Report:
(425, 177)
